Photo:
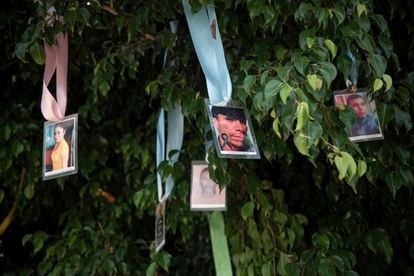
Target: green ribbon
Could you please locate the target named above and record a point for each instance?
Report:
(220, 247)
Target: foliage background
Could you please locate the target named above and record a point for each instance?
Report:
(315, 204)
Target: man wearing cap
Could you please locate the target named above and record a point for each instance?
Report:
(231, 127)
(366, 124)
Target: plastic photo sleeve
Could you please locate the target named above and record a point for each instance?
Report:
(232, 130)
(60, 145)
(205, 193)
(367, 126)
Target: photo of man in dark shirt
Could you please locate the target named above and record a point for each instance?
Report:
(366, 123)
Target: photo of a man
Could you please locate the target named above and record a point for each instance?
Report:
(232, 129)
(232, 132)
(367, 125)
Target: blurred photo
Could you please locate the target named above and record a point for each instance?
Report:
(205, 193)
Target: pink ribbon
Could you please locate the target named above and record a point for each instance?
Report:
(56, 59)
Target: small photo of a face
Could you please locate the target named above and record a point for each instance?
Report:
(59, 147)
(367, 126)
(233, 134)
(205, 193)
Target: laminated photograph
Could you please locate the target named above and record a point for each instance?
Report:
(233, 134)
(367, 126)
(160, 226)
(205, 193)
(60, 141)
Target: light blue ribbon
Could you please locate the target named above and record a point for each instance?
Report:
(175, 126)
(175, 140)
(210, 52)
(353, 76)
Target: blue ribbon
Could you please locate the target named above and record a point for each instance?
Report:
(209, 48)
(210, 52)
(175, 121)
(353, 77)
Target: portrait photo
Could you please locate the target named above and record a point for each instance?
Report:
(367, 126)
(205, 193)
(232, 131)
(60, 147)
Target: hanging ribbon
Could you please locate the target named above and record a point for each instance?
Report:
(56, 60)
(353, 76)
(209, 48)
(220, 248)
(175, 122)
(174, 142)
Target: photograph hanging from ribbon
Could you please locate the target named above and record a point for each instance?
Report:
(233, 138)
(207, 42)
(366, 125)
(167, 150)
(59, 132)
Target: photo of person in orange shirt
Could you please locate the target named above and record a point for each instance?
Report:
(59, 147)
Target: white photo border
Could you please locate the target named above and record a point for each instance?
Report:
(255, 154)
(220, 199)
(73, 169)
(340, 97)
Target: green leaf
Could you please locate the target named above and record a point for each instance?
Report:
(26, 238)
(151, 269)
(310, 41)
(283, 261)
(378, 241)
(326, 268)
(378, 63)
(20, 50)
(388, 81)
(342, 166)
(38, 241)
(247, 210)
(38, 54)
(393, 183)
(29, 191)
(361, 8)
(252, 231)
(301, 63)
(301, 143)
(283, 73)
(272, 88)
(338, 262)
(275, 126)
(249, 82)
(352, 167)
(331, 46)
(302, 113)
(246, 64)
(377, 84)
(314, 81)
(285, 90)
(362, 167)
(321, 241)
(328, 71)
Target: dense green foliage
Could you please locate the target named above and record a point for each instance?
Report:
(315, 204)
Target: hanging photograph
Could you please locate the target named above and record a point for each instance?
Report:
(160, 226)
(367, 126)
(205, 193)
(60, 141)
(232, 131)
